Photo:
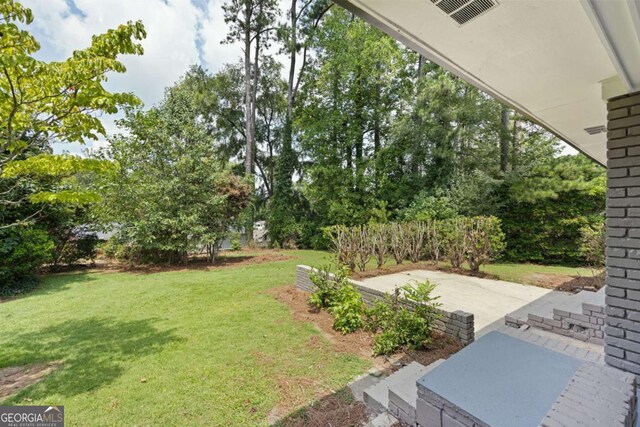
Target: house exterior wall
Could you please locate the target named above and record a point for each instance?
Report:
(622, 322)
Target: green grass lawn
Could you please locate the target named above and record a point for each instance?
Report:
(518, 272)
(510, 272)
(189, 347)
(173, 348)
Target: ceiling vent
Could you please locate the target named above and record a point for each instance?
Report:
(595, 130)
(463, 11)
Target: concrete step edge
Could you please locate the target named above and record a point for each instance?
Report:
(377, 396)
(406, 400)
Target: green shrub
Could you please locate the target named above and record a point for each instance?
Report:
(347, 309)
(336, 294)
(592, 244)
(404, 319)
(484, 240)
(22, 252)
(114, 248)
(235, 242)
(454, 240)
(76, 247)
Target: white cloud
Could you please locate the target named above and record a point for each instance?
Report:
(179, 33)
(170, 48)
(213, 30)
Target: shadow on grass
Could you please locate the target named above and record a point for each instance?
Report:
(92, 352)
(50, 285)
(198, 262)
(339, 409)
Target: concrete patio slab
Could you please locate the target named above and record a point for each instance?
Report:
(488, 300)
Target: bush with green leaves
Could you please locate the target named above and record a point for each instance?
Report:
(454, 241)
(343, 244)
(339, 297)
(236, 245)
(592, 244)
(403, 319)
(347, 308)
(23, 250)
(380, 241)
(484, 240)
(79, 246)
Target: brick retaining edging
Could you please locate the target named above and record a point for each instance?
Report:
(457, 324)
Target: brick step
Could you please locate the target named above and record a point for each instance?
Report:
(403, 395)
(580, 317)
(376, 397)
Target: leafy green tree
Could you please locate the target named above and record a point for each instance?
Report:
(22, 251)
(546, 207)
(296, 36)
(172, 194)
(43, 102)
(348, 99)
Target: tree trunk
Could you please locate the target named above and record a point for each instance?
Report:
(504, 140)
(248, 111)
(515, 149)
(421, 60)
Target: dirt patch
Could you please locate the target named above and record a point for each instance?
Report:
(565, 283)
(238, 259)
(547, 280)
(16, 378)
(582, 283)
(423, 265)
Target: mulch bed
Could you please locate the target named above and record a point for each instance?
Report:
(359, 342)
(238, 259)
(335, 410)
(340, 409)
(582, 283)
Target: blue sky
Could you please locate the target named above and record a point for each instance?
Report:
(179, 33)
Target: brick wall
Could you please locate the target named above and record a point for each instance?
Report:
(456, 324)
(622, 323)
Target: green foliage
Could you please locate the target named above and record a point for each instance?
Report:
(347, 308)
(172, 194)
(425, 207)
(336, 294)
(404, 319)
(82, 246)
(455, 240)
(346, 103)
(327, 283)
(114, 248)
(484, 240)
(69, 227)
(42, 102)
(235, 242)
(547, 207)
(22, 251)
(593, 243)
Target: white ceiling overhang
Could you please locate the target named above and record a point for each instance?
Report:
(552, 60)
